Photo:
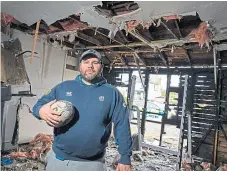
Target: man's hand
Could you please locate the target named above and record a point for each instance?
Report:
(50, 116)
(123, 167)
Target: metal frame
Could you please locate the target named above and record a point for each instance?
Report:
(217, 123)
(181, 136)
(166, 108)
(145, 103)
(189, 142)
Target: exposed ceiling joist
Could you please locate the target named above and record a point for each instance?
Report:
(138, 66)
(185, 50)
(122, 60)
(88, 38)
(167, 28)
(188, 56)
(178, 28)
(157, 43)
(162, 56)
(151, 45)
(140, 59)
(123, 36)
(137, 50)
(154, 50)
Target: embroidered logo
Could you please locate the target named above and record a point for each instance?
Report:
(68, 93)
(101, 98)
(47, 92)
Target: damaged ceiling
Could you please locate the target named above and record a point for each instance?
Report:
(128, 33)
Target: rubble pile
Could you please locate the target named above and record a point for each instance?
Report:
(36, 148)
(148, 160)
(203, 166)
(32, 157)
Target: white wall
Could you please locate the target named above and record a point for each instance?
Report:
(70, 74)
(42, 79)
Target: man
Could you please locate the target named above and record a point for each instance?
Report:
(81, 146)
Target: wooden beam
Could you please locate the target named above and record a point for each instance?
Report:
(178, 28)
(105, 55)
(123, 60)
(185, 50)
(139, 58)
(138, 66)
(188, 56)
(151, 45)
(162, 56)
(120, 44)
(146, 32)
(139, 44)
(119, 56)
(35, 40)
(123, 36)
(136, 34)
(167, 28)
(138, 50)
(88, 38)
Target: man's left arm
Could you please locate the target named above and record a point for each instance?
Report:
(122, 129)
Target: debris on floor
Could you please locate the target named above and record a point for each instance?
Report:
(203, 166)
(32, 157)
(148, 160)
(36, 148)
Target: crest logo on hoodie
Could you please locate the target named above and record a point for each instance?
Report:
(68, 93)
(101, 98)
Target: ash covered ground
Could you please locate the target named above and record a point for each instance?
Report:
(27, 159)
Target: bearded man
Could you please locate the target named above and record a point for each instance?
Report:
(81, 144)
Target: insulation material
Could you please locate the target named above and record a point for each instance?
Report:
(202, 35)
(172, 17)
(41, 144)
(6, 19)
(131, 25)
(73, 24)
(54, 29)
(203, 166)
(113, 31)
(147, 24)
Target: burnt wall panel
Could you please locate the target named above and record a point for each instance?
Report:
(222, 142)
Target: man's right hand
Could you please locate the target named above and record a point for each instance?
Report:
(51, 117)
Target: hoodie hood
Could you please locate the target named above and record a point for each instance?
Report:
(100, 82)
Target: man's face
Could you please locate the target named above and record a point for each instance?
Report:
(90, 68)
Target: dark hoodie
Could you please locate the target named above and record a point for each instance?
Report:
(97, 106)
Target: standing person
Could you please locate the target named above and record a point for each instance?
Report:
(81, 146)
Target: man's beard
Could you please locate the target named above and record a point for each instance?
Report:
(93, 79)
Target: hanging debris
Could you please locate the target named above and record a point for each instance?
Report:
(147, 24)
(131, 25)
(172, 17)
(6, 19)
(73, 22)
(202, 35)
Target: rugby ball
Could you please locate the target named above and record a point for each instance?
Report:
(66, 110)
